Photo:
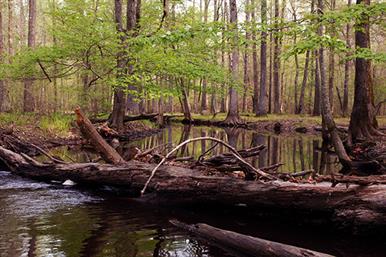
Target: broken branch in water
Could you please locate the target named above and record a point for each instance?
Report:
(233, 151)
(246, 245)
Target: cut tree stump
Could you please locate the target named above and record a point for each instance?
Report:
(246, 245)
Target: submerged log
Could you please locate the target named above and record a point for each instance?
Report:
(246, 245)
(354, 206)
(91, 134)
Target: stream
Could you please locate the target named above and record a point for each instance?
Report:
(39, 219)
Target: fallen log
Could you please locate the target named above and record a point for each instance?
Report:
(360, 208)
(143, 116)
(227, 158)
(246, 245)
(91, 134)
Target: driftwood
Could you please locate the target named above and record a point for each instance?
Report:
(228, 158)
(243, 244)
(91, 134)
(354, 206)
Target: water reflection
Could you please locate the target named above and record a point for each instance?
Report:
(296, 152)
(39, 220)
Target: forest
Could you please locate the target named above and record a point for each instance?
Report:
(256, 109)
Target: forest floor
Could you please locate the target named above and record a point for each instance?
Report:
(57, 129)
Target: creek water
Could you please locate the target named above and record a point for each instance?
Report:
(39, 219)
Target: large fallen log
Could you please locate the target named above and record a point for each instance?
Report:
(354, 206)
(246, 245)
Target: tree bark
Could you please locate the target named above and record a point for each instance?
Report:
(346, 69)
(91, 134)
(262, 109)
(316, 109)
(245, 245)
(276, 61)
(119, 103)
(29, 102)
(363, 122)
(2, 82)
(255, 98)
(300, 108)
(246, 57)
(233, 117)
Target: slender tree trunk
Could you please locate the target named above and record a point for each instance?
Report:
(276, 61)
(363, 122)
(119, 104)
(262, 109)
(326, 107)
(9, 28)
(2, 83)
(300, 108)
(255, 98)
(233, 112)
(29, 104)
(131, 26)
(185, 103)
(331, 66)
(346, 69)
(246, 56)
(316, 111)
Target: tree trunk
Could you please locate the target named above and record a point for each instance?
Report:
(276, 61)
(29, 102)
(119, 104)
(346, 69)
(316, 109)
(331, 66)
(300, 108)
(185, 103)
(233, 117)
(131, 25)
(246, 58)
(262, 109)
(255, 98)
(245, 245)
(2, 83)
(354, 207)
(326, 107)
(363, 123)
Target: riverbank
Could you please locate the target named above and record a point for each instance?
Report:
(280, 123)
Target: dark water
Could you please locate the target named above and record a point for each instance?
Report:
(38, 219)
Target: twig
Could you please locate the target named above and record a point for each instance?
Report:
(47, 154)
(207, 151)
(44, 71)
(234, 152)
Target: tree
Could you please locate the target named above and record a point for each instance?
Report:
(255, 98)
(233, 117)
(119, 104)
(2, 84)
(29, 105)
(346, 69)
(262, 109)
(327, 117)
(363, 122)
(276, 61)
